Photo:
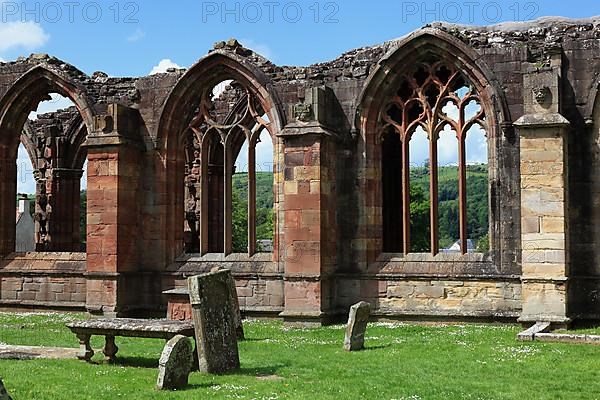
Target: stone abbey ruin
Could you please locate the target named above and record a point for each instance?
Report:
(161, 153)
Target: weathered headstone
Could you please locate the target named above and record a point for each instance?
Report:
(235, 304)
(357, 326)
(214, 322)
(175, 364)
(3, 393)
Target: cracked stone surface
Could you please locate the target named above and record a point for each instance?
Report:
(34, 352)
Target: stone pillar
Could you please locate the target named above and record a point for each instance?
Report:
(309, 216)
(544, 201)
(8, 196)
(64, 224)
(112, 211)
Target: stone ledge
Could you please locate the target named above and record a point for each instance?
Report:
(554, 319)
(219, 257)
(568, 338)
(237, 275)
(429, 277)
(531, 121)
(236, 263)
(52, 256)
(543, 279)
(42, 304)
(446, 314)
(47, 273)
(440, 257)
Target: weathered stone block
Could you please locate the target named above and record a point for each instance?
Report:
(357, 326)
(175, 364)
(214, 321)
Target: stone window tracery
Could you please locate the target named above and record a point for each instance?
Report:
(228, 120)
(431, 98)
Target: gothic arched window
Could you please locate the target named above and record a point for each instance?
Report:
(432, 134)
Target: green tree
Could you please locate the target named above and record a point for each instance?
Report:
(239, 221)
(419, 220)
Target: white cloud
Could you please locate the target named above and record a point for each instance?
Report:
(28, 35)
(259, 48)
(447, 146)
(163, 65)
(57, 102)
(136, 36)
(419, 148)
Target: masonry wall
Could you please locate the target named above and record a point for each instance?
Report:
(348, 264)
(43, 280)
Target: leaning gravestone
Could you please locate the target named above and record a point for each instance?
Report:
(175, 364)
(214, 322)
(357, 326)
(235, 304)
(3, 393)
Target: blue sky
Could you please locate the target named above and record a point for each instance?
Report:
(93, 36)
(133, 38)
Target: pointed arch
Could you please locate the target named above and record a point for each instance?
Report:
(177, 114)
(430, 46)
(418, 46)
(22, 97)
(77, 135)
(28, 141)
(204, 75)
(28, 91)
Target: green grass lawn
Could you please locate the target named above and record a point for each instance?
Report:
(401, 361)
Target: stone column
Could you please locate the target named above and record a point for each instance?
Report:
(64, 224)
(8, 196)
(309, 239)
(544, 201)
(112, 211)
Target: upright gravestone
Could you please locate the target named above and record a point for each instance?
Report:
(175, 364)
(3, 393)
(214, 322)
(235, 304)
(357, 326)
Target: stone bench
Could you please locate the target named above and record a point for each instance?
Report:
(110, 328)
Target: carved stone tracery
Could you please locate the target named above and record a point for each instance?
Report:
(222, 123)
(421, 101)
(57, 181)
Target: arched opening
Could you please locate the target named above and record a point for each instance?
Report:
(225, 123)
(221, 173)
(420, 200)
(60, 178)
(265, 194)
(447, 147)
(437, 114)
(40, 114)
(26, 195)
(391, 165)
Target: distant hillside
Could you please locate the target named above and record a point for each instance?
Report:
(264, 209)
(477, 202)
(477, 207)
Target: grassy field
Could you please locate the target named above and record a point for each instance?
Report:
(401, 362)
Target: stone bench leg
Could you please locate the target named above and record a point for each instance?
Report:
(85, 349)
(110, 349)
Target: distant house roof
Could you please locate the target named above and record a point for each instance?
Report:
(456, 247)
